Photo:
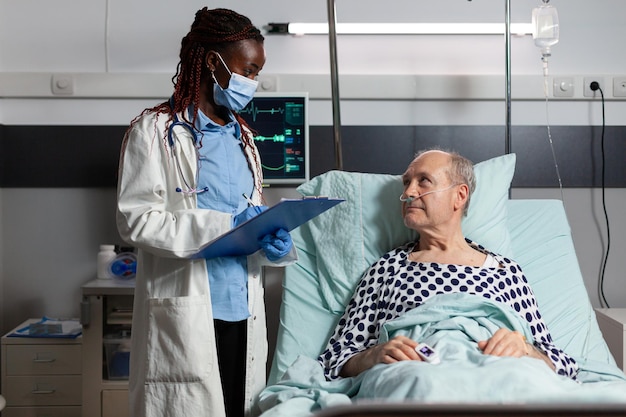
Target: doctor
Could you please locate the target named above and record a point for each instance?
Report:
(189, 172)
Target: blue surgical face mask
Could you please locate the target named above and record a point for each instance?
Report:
(239, 92)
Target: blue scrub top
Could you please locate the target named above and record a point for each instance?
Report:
(224, 170)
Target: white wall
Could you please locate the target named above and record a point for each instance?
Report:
(50, 237)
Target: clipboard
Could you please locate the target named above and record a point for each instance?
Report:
(287, 214)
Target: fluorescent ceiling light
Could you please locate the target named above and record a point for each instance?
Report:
(401, 28)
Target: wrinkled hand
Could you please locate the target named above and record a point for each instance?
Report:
(400, 348)
(505, 342)
(276, 245)
(247, 214)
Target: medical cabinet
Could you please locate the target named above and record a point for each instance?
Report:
(41, 375)
(106, 315)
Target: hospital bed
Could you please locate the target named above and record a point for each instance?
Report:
(335, 249)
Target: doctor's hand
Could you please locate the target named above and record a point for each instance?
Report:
(276, 245)
(247, 214)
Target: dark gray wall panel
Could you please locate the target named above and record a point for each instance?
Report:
(578, 150)
(389, 149)
(60, 156)
(87, 156)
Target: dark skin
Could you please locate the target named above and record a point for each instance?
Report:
(245, 58)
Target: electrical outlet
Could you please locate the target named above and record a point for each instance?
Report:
(587, 91)
(619, 87)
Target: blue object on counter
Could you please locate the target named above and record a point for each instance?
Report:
(124, 266)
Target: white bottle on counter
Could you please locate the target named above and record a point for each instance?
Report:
(105, 257)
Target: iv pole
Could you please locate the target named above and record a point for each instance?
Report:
(334, 77)
(507, 39)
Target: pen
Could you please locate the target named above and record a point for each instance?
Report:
(250, 202)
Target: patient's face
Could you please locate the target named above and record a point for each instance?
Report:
(427, 176)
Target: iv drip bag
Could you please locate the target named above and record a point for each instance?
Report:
(545, 23)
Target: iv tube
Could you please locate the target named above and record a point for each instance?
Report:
(545, 23)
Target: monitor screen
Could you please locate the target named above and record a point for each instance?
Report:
(281, 134)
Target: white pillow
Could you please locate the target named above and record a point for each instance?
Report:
(353, 235)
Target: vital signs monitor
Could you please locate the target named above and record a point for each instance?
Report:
(280, 125)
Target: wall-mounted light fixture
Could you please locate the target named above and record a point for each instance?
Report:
(332, 28)
(520, 29)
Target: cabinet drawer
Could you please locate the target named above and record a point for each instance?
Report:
(43, 359)
(115, 403)
(42, 412)
(43, 390)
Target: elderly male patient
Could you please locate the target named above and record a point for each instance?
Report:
(437, 190)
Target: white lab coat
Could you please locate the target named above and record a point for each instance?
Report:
(173, 368)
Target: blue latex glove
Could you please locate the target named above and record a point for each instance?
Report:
(247, 214)
(276, 245)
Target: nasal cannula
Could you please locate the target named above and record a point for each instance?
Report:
(410, 199)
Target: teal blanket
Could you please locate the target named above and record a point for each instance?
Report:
(452, 324)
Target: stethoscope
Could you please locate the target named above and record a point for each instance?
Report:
(188, 190)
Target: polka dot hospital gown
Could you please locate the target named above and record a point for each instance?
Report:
(394, 285)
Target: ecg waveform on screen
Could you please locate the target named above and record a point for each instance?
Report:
(275, 138)
(253, 110)
(280, 134)
(289, 168)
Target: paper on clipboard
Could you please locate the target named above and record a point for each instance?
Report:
(287, 214)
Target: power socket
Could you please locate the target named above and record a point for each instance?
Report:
(587, 91)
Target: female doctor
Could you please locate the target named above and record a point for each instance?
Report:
(189, 172)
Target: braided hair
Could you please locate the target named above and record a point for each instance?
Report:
(216, 29)
(211, 30)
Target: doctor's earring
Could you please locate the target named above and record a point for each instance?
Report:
(207, 61)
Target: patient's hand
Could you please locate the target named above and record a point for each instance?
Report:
(505, 342)
(400, 348)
